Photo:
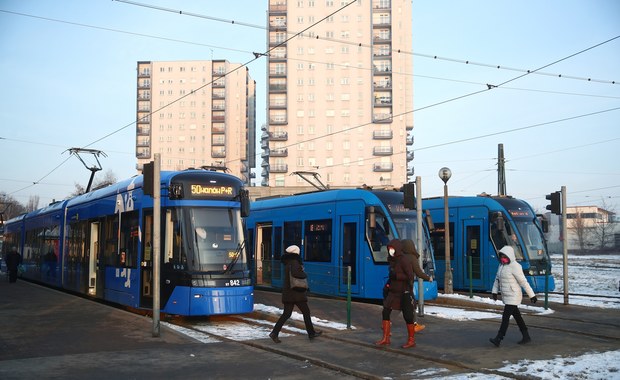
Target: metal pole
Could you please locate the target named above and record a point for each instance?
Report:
(420, 242)
(156, 242)
(349, 297)
(565, 245)
(447, 289)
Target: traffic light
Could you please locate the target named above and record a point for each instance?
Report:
(147, 171)
(556, 202)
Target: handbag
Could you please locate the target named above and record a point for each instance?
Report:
(299, 284)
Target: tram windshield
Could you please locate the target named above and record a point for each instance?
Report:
(532, 237)
(503, 232)
(214, 240)
(407, 227)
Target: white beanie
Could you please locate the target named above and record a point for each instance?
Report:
(293, 249)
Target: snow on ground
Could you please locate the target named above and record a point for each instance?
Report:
(598, 275)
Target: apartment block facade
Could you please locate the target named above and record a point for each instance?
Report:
(195, 114)
(340, 94)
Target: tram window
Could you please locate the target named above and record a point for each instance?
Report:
(111, 242)
(502, 234)
(438, 239)
(318, 240)
(379, 236)
(292, 233)
(129, 239)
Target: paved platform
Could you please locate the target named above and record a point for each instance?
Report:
(49, 334)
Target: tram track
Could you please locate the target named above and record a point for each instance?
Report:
(340, 345)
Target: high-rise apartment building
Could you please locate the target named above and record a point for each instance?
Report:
(340, 96)
(196, 113)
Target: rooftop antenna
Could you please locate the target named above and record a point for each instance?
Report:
(93, 169)
(315, 182)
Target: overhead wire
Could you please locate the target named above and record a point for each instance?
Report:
(301, 33)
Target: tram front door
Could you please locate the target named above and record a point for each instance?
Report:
(264, 255)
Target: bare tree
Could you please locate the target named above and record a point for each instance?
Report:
(603, 231)
(33, 203)
(580, 230)
(10, 207)
(108, 179)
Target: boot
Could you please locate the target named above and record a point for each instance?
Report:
(526, 337)
(419, 327)
(411, 341)
(496, 341)
(386, 334)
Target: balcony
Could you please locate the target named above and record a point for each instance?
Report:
(143, 131)
(278, 136)
(410, 156)
(278, 168)
(218, 153)
(382, 151)
(383, 101)
(218, 129)
(381, 118)
(279, 152)
(382, 135)
(409, 140)
(409, 127)
(383, 167)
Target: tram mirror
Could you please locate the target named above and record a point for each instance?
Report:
(370, 213)
(244, 197)
(499, 221)
(545, 224)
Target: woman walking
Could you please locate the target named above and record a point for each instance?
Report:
(401, 282)
(293, 297)
(509, 281)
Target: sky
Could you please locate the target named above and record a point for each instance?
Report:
(593, 365)
(69, 72)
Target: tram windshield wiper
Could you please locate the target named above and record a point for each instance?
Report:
(234, 260)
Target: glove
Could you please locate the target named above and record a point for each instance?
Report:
(534, 299)
(494, 296)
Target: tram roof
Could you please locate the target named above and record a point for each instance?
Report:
(367, 196)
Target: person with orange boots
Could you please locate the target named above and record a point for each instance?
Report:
(412, 255)
(398, 290)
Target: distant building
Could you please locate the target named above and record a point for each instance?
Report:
(340, 96)
(592, 220)
(196, 113)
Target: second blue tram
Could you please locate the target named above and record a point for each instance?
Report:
(101, 244)
(336, 230)
(479, 227)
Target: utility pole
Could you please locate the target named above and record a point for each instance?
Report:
(501, 171)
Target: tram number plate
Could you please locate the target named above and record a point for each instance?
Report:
(234, 282)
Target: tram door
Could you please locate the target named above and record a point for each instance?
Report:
(93, 257)
(473, 265)
(146, 265)
(349, 230)
(264, 256)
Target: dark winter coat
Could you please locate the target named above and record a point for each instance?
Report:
(13, 259)
(412, 255)
(292, 264)
(401, 276)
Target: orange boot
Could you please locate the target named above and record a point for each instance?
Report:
(386, 334)
(411, 341)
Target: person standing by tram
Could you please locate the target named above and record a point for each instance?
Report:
(398, 295)
(509, 281)
(292, 297)
(411, 255)
(13, 259)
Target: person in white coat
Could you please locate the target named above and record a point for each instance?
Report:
(509, 281)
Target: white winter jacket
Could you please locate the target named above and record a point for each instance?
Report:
(510, 279)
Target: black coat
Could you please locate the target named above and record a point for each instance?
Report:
(292, 265)
(13, 259)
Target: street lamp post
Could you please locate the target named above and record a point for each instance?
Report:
(445, 174)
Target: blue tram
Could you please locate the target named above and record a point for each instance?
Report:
(100, 244)
(479, 227)
(335, 229)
